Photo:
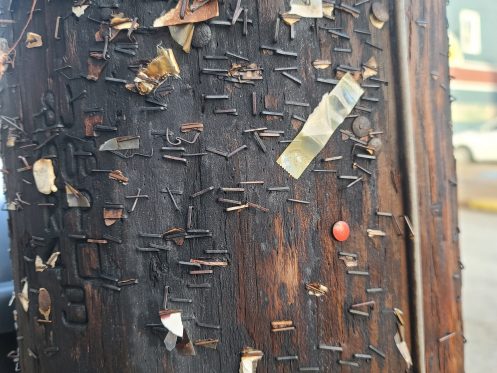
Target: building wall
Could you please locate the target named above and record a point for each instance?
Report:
(473, 59)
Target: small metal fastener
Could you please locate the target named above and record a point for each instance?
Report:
(365, 156)
(322, 346)
(364, 32)
(298, 201)
(57, 28)
(178, 159)
(291, 68)
(363, 356)
(79, 96)
(380, 353)
(232, 190)
(229, 201)
(374, 290)
(375, 233)
(257, 207)
(296, 103)
(422, 23)
(361, 126)
(309, 369)
(217, 58)
(108, 237)
(201, 192)
(278, 189)
(356, 165)
(205, 285)
(327, 81)
(215, 97)
(358, 273)
(259, 141)
(447, 337)
(150, 235)
(111, 287)
(350, 363)
(208, 326)
(245, 22)
(355, 182)
(115, 80)
(324, 171)
(182, 12)
(231, 111)
(276, 30)
(180, 300)
(233, 55)
(236, 208)
(172, 199)
(237, 150)
(147, 249)
(287, 358)
(252, 182)
(370, 303)
(291, 77)
(272, 113)
(189, 264)
(342, 50)
(331, 159)
(373, 46)
(129, 52)
(254, 103)
(338, 34)
(189, 219)
(386, 214)
(216, 251)
(153, 108)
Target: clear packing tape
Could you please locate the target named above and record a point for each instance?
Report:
(334, 107)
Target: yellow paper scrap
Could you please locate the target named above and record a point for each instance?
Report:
(317, 130)
(44, 175)
(183, 35)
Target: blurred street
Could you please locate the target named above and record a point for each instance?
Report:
(477, 185)
(479, 256)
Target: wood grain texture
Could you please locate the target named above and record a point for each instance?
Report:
(272, 255)
(437, 188)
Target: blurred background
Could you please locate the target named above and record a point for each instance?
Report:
(473, 61)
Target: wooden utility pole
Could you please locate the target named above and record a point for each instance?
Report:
(134, 227)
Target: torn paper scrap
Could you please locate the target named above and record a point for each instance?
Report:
(121, 143)
(307, 8)
(33, 40)
(44, 303)
(44, 175)
(171, 319)
(250, 358)
(183, 35)
(75, 198)
(153, 75)
(324, 120)
(197, 12)
(23, 296)
(404, 349)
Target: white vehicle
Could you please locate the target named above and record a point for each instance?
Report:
(478, 145)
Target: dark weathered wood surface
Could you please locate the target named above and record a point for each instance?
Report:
(272, 255)
(441, 264)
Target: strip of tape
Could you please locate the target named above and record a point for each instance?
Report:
(334, 107)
